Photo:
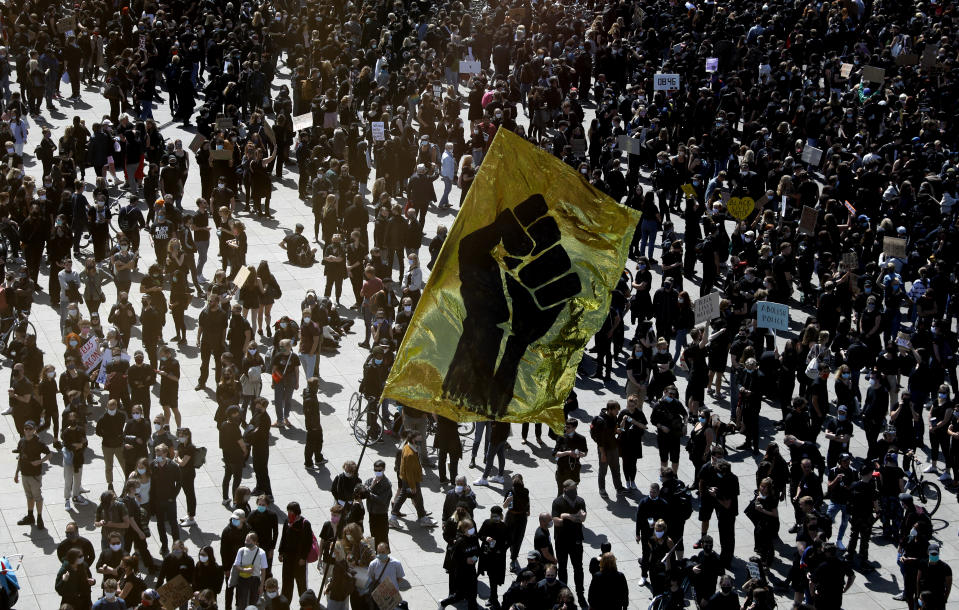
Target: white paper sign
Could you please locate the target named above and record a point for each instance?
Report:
(811, 155)
(90, 354)
(666, 82)
(707, 307)
(771, 315)
(470, 67)
(712, 64)
(303, 121)
(379, 130)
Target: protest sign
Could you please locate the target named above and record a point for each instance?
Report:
(666, 82)
(379, 130)
(894, 247)
(712, 64)
(303, 121)
(807, 222)
(223, 154)
(175, 593)
(811, 155)
(852, 210)
(468, 66)
(197, 142)
(224, 123)
(903, 340)
(707, 307)
(386, 595)
(90, 354)
(872, 74)
(774, 316)
(628, 144)
(740, 208)
(845, 70)
(689, 190)
(241, 276)
(850, 260)
(330, 120)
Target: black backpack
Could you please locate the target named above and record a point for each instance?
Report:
(597, 428)
(680, 500)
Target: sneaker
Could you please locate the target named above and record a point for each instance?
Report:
(930, 468)
(66, 505)
(7, 411)
(40, 525)
(28, 520)
(900, 597)
(225, 502)
(642, 581)
(84, 490)
(394, 523)
(187, 521)
(426, 522)
(496, 479)
(840, 545)
(80, 501)
(481, 481)
(201, 279)
(322, 461)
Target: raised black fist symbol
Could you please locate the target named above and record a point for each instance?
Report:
(536, 273)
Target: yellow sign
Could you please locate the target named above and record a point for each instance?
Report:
(521, 285)
(689, 190)
(740, 208)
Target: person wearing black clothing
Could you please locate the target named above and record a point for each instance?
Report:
(706, 568)
(726, 598)
(725, 494)
(264, 523)
(232, 539)
(863, 506)
(136, 534)
(569, 514)
(494, 538)
(234, 452)
(650, 509)
(838, 432)
(206, 573)
(464, 554)
(313, 447)
(633, 424)
(151, 327)
(830, 579)
(839, 481)
(164, 488)
(517, 507)
(185, 459)
(177, 563)
(934, 580)
(31, 454)
(295, 546)
(110, 429)
(875, 407)
(379, 493)
(570, 449)
(73, 540)
(669, 417)
(259, 439)
(141, 377)
(344, 483)
(211, 339)
(460, 495)
(608, 447)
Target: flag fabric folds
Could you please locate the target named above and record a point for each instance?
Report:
(521, 284)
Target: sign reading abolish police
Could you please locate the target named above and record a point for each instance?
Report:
(523, 281)
(774, 316)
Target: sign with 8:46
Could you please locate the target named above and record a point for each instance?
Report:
(666, 82)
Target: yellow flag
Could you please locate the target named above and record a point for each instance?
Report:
(521, 284)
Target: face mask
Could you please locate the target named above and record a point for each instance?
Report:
(874, 383)
(943, 396)
(73, 343)
(659, 534)
(164, 358)
(111, 411)
(141, 470)
(202, 558)
(72, 535)
(283, 324)
(177, 553)
(306, 320)
(570, 434)
(181, 439)
(933, 558)
(702, 420)
(458, 489)
(272, 594)
(137, 416)
(570, 493)
(726, 589)
(250, 545)
(407, 308)
(157, 427)
(551, 579)
(913, 533)
(116, 547)
(471, 531)
(378, 361)
(51, 374)
(841, 417)
(111, 595)
(235, 522)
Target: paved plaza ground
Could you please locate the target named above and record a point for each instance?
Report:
(419, 550)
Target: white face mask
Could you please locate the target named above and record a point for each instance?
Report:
(378, 473)
(272, 594)
(659, 534)
(137, 416)
(202, 558)
(458, 489)
(471, 531)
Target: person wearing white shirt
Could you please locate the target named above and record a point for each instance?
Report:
(447, 173)
(250, 567)
(384, 568)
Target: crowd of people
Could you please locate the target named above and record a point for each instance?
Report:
(831, 119)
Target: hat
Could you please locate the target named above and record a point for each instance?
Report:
(842, 409)
(30, 424)
(421, 168)
(844, 456)
(934, 548)
(239, 514)
(905, 497)
(532, 555)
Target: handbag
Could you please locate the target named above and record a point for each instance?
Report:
(366, 596)
(812, 368)
(278, 376)
(314, 553)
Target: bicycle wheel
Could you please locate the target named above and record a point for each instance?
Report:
(368, 427)
(930, 495)
(353, 411)
(466, 430)
(659, 602)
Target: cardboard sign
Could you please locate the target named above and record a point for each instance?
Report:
(241, 276)
(666, 82)
(67, 24)
(386, 596)
(707, 307)
(850, 260)
(224, 154)
(894, 247)
(268, 132)
(872, 74)
(303, 121)
(629, 145)
(379, 130)
(90, 355)
(930, 56)
(579, 146)
(852, 210)
(807, 222)
(712, 64)
(175, 593)
(907, 59)
(812, 155)
(774, 316)
(740, 208)
(197, 142)
(224, 123)
(330, 120)
(470, 66)
(845, 70)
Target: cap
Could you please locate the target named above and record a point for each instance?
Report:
(842, 409)
(532, 555)
(239, 514)
(845, 456)
(934, 548)
(30, 424)
(905, 497)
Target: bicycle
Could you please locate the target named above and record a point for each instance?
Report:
(366, 422)
(674, 599)
(10, 325)
(465, 429)
(927, 492)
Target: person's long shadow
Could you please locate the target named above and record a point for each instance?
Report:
(329, 388)
(423, 537)
(521, 458)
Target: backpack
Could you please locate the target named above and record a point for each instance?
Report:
(680, 500)
(199, 457)
(597, 428)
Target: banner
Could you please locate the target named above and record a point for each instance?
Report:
(522, 283)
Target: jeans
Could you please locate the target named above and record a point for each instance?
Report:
(831, 511)
(202, 247)
(309, 364)
(499, 451)
(681, 335)
(611, 464)
(72, 481)
(165, 511)
(481, 428)
(447, 187)
(648, 230)
(282, 400)
(405, 493)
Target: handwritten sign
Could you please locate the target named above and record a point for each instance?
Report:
(222, 154)
(197, 142)
(689, 190)
(850, 260)
(872, 74)
(845, 70)
(379, 130)
(774, 316)
(903, 340)
(740, 208)
(629, 145)
(224, 123)
(894, 247)
(303, 121)
(707, 307)
(807, 221)
(812, 155)
(241, 277)
(386, 596)
(175, 593)
(712, 64)
(468, 66)
(666, 82)
(90, 354)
